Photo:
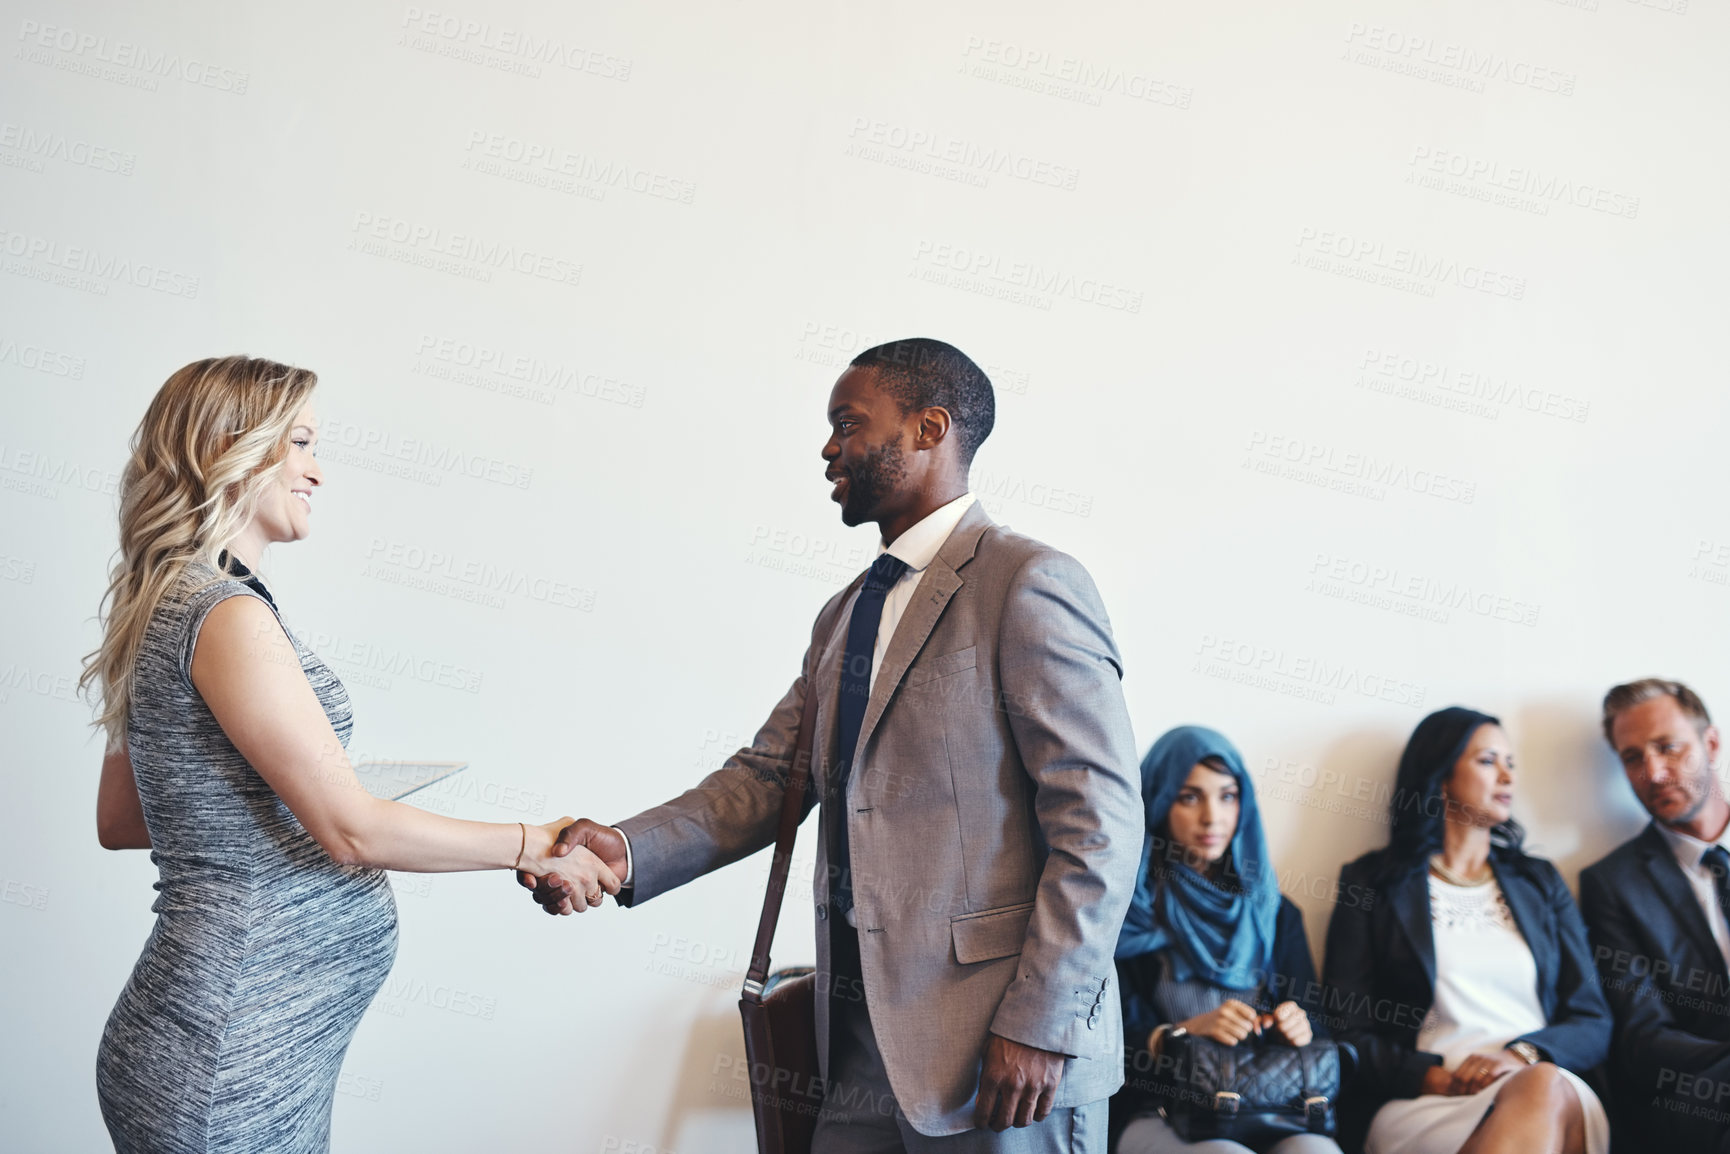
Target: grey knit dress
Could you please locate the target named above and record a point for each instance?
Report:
(265, 954)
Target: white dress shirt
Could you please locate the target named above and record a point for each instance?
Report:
(918, 546)
(1688, 850)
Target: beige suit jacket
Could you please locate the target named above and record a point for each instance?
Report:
(994, 814)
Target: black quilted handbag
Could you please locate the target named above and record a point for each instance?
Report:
(1257, 1092)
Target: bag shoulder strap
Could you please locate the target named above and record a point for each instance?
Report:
(792, 803)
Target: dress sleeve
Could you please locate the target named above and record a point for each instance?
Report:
(194, 608)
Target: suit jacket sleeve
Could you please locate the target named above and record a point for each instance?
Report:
(1061, 680)
(733, 812)
(1362, 1016)
(1578, 1036)
(1294, 970)
(1648, 1038)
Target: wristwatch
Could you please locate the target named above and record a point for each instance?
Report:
(1527, 1052)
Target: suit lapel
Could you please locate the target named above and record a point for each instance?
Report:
(942, 578)
(1528, 907)
(826, 683)
(1668, 880)
(1411, 899)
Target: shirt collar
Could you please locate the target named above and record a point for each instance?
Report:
(1688, 848)
(918, 545)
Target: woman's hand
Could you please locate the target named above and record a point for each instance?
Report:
(1291, 1022)
(585, 875)
(1437, 1080)
(1479, 1070)
(1228, 1025)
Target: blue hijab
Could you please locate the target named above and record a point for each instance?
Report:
(1220, 933)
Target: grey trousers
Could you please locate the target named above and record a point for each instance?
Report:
(860, 1114)
(1153, 1135)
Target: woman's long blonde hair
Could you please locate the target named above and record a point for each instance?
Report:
(202, 456)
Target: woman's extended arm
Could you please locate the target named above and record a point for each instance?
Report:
(119, 815)
(249, 674)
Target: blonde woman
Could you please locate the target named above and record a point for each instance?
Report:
(275, 923)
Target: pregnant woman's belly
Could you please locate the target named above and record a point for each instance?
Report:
(232, 1030)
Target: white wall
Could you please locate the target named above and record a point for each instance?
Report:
(1428, 294)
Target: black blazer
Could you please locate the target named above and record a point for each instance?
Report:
(1291, 978)
(1379, 976)
(1669, 988)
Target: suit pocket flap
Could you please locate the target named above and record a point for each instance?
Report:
(942, 665)
(990, 934)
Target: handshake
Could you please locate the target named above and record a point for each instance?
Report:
(585, 862)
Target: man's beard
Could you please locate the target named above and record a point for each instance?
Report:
(1693, 806)
(871, 480)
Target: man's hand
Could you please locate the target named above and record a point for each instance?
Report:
(552, 891)
(1017, 1085)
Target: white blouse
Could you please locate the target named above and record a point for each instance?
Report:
(1486, 979)
(1486, 996)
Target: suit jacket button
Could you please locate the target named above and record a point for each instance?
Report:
(822, 913)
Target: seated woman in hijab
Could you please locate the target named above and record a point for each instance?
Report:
(1209, 947)
(1464, 978)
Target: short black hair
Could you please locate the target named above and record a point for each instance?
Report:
(920, 373)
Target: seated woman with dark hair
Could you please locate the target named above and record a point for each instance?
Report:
(1209, 946)
(1467, 983)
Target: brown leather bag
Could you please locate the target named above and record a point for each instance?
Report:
(780, 1012)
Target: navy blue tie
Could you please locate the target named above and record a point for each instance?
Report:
(855, 693)
(1717, 863)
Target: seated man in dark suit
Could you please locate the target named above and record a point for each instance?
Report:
(1658, 912)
